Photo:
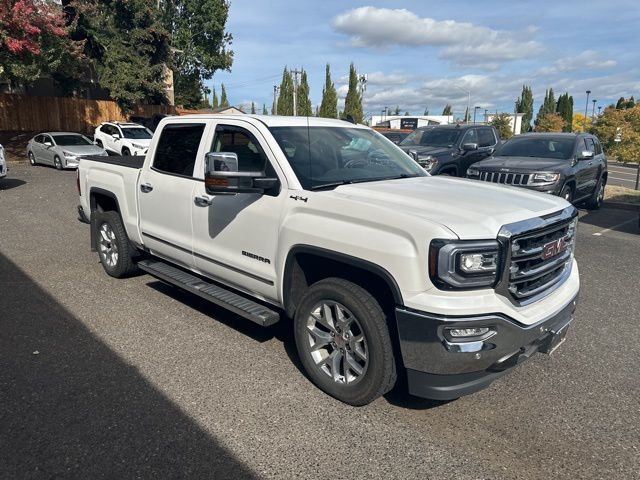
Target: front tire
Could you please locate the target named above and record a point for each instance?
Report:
(126, 152)
(112, 244)
(32, 159)
(57, 162)
(567, 193)
(343, 341)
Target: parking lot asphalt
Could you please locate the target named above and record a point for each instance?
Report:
(105, 378)
(622, 175)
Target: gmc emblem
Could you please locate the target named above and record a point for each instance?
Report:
(554, 248)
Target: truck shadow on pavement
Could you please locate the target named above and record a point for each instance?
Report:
(618, 220)
(9, 183)
(72, 408)
(283, 332)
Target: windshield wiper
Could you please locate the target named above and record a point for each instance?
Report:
(331, 185)
(361, 180)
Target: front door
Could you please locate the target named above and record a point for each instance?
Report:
(47, 152)
(166, 190)
(235, 236)
(587, 169)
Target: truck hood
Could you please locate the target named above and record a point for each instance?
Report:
(469, 208)
(528, 164)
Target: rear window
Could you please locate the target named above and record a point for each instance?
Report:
(177, 148)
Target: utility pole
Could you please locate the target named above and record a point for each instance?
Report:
(295, 90)
(276, 89)
(586, 112)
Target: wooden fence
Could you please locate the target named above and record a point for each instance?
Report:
(26, 113)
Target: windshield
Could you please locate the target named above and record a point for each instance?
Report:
(71, 140)
(432, 137)
(543, 147)
(324, 157)
(139, 133)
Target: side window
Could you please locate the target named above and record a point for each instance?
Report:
(177, 148)
(486, 138)
(598, 146)
(236, 140)
(38, 139)
(47, 138)
(107, 129)
(589, 145)
(470, 137)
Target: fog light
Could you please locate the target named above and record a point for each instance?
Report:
(467, 332)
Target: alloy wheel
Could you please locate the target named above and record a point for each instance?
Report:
(107, 245)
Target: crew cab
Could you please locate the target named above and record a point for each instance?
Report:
(450, 149)
(570, 165)
(122, 138)
(376, 266)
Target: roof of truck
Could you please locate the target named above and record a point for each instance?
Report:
(278, 121)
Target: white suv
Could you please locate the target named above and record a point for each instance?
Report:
(123, 138)
(3, 163)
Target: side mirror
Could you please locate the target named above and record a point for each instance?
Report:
(48, 144)
(469, 147)
(116, 136)
(221, 176)
(586, 155)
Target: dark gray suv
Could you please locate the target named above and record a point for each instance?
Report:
(570, 165)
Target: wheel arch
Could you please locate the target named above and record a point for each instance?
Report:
(306, 265)
(100, 200)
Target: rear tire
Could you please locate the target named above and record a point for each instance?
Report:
(343, 341)
(126, 152)
(57, 162)
(112, 244)
(595, 200)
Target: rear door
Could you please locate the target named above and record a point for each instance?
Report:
(166, 191)
(37, 147)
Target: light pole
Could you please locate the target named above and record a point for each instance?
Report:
(593, 111)
(599, 108)
(586, 112)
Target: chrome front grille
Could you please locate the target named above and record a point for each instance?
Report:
(540, 260)
(505, 178)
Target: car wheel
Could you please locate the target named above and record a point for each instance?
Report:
(112, 244)
(57, 162)
(99, 143)
(596, 199)
(567, 193)
(126, 152)
(32, 159)
(343, 341)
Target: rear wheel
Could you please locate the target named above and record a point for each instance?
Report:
(57, 162)
(113, 245)
(567, 193)
(596, 199)
(126, 152)
(343, 341)
(32, 159)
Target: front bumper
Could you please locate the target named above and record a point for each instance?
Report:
(443, 368)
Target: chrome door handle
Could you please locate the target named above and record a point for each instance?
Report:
(146, 187)
(203, 201)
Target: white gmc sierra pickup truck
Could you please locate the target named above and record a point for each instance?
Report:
(379, 268)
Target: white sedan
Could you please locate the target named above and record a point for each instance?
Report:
(3, 163)
(61, 149)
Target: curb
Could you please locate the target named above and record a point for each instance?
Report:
(621, 206)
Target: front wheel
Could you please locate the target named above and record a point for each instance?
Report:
(567, 193)
(113, 245)
(57, 162)
(343, 341)
(32, 159)
(126, 152)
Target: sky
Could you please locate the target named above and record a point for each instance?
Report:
(424, 54)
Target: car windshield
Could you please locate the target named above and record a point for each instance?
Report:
(325, 157)
(71, 140)
(138, 133)
(542, 147)
(432, 137)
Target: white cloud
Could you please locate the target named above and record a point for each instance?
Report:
(586, 60)
(461, 42)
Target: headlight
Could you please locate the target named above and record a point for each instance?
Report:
(136, 145)
(427, 162)
(463, 264)
(69, 155)
(546, 177)
(472, 172)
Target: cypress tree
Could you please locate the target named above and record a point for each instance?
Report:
(264, 109)
(285, 98)
(447, 110)
(329, 104)
(224, 102)
(214, 100)
(564, 107)
(253, 108)
(304, 103)
(548, 105)
(621, 103)
(524, 105)
(353, 100)
(631, 102)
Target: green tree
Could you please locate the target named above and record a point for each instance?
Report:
(329, 104)
(285, 98)
(549, 122)
(626, 123)
(548, 106)
(215, 104)
(303, 106)
(622, 103)
(502, 123)
(353, 100)
(264, 109)
(467, 115)
(198, 38)
(564, 107)
(397, 110)
(426, 111)
(224, 101)
(253, 108)
(524, 105)
(631, 102)
(128, 48)
(447, 110)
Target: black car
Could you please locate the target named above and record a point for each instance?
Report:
(450, 149)
(570, 165)
(395, 136)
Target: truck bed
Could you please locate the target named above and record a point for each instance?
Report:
(130, 161)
